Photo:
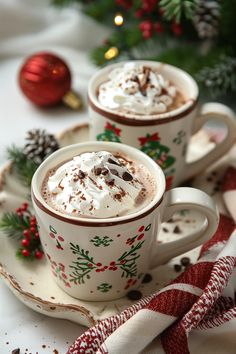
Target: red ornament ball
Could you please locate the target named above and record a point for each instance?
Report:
(44, 78)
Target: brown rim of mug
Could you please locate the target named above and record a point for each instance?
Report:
(92, 224)
(145, 122)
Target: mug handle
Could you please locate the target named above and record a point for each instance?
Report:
(186, 198)
(220, 113)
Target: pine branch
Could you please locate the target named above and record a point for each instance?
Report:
(176, 9)
(13, 225)
(24, 167)
(221, 78)
(22, 226)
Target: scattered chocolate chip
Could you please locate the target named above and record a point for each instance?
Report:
(177, 267)
(81, 174)
(97, 171)
(165, 229)
(16, 351)
(118, 196)
(177, 230)
(114, 172)
(170, 220)
(134, 295)
(111, 183)
(147, 278)
(104, 171)
(185, 261)
(127, 176)
(113, 162)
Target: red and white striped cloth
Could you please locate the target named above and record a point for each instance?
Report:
(200, 299)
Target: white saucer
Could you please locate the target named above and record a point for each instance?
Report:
(32, 282)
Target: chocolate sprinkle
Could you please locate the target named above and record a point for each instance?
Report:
(16, 351)
(134, 295)
(127, 176)
(111, 183)
(81, 174)
(113, 162)
(118, 196)
(147, 278)
(104, 171)
(114, 172)
(177, 230)
(97, 171)
(185, 261)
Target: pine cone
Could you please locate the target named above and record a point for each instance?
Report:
(206, 18)
(40, 145)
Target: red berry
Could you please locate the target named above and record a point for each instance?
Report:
(60, 238)
(27, 234)
(38, 254)
(112, 263)
(105, 267)
(25, 252)
(139, 13)
(141, 229)
(114, 268)
(176, 29)
(146, 26)
(33, 230)
(90, 265)
(25, 242)
(24, 206)
(97, 270)
(149, 5)
(36, 235)
(18, 210)
(147, 34)
(99, 264)
(158, 27)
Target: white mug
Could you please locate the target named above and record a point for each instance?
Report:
(164, 137)
(102, 259)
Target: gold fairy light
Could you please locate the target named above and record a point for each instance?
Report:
(111, 53)
(118, 19)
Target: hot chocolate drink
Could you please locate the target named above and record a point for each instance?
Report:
(98, 185)
(139, 89)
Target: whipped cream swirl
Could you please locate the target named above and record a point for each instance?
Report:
(138, 89)
(94, 184)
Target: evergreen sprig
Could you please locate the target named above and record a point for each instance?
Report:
(176, 9)
(21, 225)
(13, 225)
(220, 78)
(23, 166)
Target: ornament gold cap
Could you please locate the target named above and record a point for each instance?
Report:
(73, 100)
